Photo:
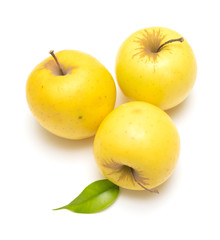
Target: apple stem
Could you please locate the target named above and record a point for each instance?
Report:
(58, 64)
(147, 189)
(181, 39)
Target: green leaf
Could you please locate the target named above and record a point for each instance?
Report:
(94, 198)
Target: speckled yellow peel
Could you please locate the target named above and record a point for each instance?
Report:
(74, 104)
(161, 76)
(137, 144)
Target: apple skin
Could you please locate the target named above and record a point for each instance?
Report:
(163, 78)
(73, 105)
(139, 137)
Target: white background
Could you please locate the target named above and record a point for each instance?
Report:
(39, 171)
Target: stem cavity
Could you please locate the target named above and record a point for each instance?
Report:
(181, 39)
(58, 64)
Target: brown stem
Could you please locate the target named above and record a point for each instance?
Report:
(58, 64)
(147, 189)
(181, 39)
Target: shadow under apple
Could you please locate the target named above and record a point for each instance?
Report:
(174, 112)
(59, 142)
(121, 98)
(181, 108)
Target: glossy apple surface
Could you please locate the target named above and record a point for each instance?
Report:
(163, 77)
(71, 105)
(137, 146)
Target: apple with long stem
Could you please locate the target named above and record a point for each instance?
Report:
(70, 93)
(156, 65)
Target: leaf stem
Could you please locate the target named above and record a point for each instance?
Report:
(147, 189)
(58, 64)
(181, 39)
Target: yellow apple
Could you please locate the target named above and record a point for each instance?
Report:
(156, 65)
(70, 93)
(137, 146)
